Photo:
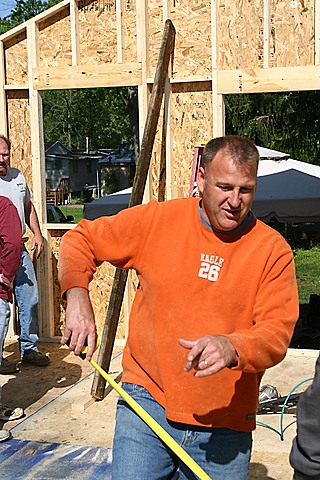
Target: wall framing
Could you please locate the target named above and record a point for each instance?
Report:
(222, 47)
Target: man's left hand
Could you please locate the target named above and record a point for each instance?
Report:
(209, 354)
(37, 243)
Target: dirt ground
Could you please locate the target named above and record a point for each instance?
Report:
(59, 408)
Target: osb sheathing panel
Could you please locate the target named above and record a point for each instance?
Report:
(20, 132)
(192, 21)
(100, 289)
(98, 33)
(240, 34)
(191, 124)
(292, 33)
(16, 61)
(130, 31)
(155, 19)
(55, 41)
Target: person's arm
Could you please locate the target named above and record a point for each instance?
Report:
(305, 452)
(82, 249)
(80, 326)
(33, 223)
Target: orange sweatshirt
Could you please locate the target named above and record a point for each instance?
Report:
(193, 282)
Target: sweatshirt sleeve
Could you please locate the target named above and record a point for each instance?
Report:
(305, 452)
(275, 313)
(10, 237)
(116, 239)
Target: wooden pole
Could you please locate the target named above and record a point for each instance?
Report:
(120, 278)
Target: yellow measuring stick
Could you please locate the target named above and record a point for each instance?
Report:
(162, 434)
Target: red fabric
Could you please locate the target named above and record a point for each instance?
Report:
(10, 244)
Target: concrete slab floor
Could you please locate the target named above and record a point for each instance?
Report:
(59, 407)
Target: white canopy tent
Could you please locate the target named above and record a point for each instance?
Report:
(288, 190)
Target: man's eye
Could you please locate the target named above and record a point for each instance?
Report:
(246, 190)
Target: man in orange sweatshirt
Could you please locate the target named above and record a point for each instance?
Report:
(216, 305)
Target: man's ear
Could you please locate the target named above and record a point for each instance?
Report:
(200, 179)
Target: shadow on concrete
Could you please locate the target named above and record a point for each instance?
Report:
(39, 385)
(258, 471)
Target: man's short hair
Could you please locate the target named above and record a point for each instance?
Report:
(241, 149)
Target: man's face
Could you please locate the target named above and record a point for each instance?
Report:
(4, 158)
(227, 190)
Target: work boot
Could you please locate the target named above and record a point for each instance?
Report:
(7, 367)
(35, 358)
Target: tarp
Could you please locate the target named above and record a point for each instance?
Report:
(107, 205)
(289, 196)
(288, 190)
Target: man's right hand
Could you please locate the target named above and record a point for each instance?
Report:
(80, 326)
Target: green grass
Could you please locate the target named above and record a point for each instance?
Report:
(307, 272)
(75, 210)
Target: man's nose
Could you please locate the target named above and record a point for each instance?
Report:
(235, 198)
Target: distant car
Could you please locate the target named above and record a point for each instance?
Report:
(55, 215)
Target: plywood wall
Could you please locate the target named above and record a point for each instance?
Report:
(55, 41)
(18, 111)
(240, 34)
(191, 124)
(16, 61)
(292, 33)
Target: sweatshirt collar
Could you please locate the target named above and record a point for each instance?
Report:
(248, 221)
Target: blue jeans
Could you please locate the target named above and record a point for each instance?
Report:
(4, 322)
(139, 454)
(26, 295)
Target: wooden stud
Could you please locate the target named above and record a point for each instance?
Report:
(266, 33)
(143, 57)
(317, 32)
(217, 100)
(3, 103)
(44, 272)
(120, 31)
(74, 25)
(91, 76)
(277, 79)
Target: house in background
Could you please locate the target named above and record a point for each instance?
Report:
(117, 171)
(71, 174)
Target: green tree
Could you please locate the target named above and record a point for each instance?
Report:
(23, 11)
(102, 114)
(288, 122)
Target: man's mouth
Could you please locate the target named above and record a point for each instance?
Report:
(231, 212)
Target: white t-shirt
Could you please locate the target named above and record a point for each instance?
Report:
(14, 187)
